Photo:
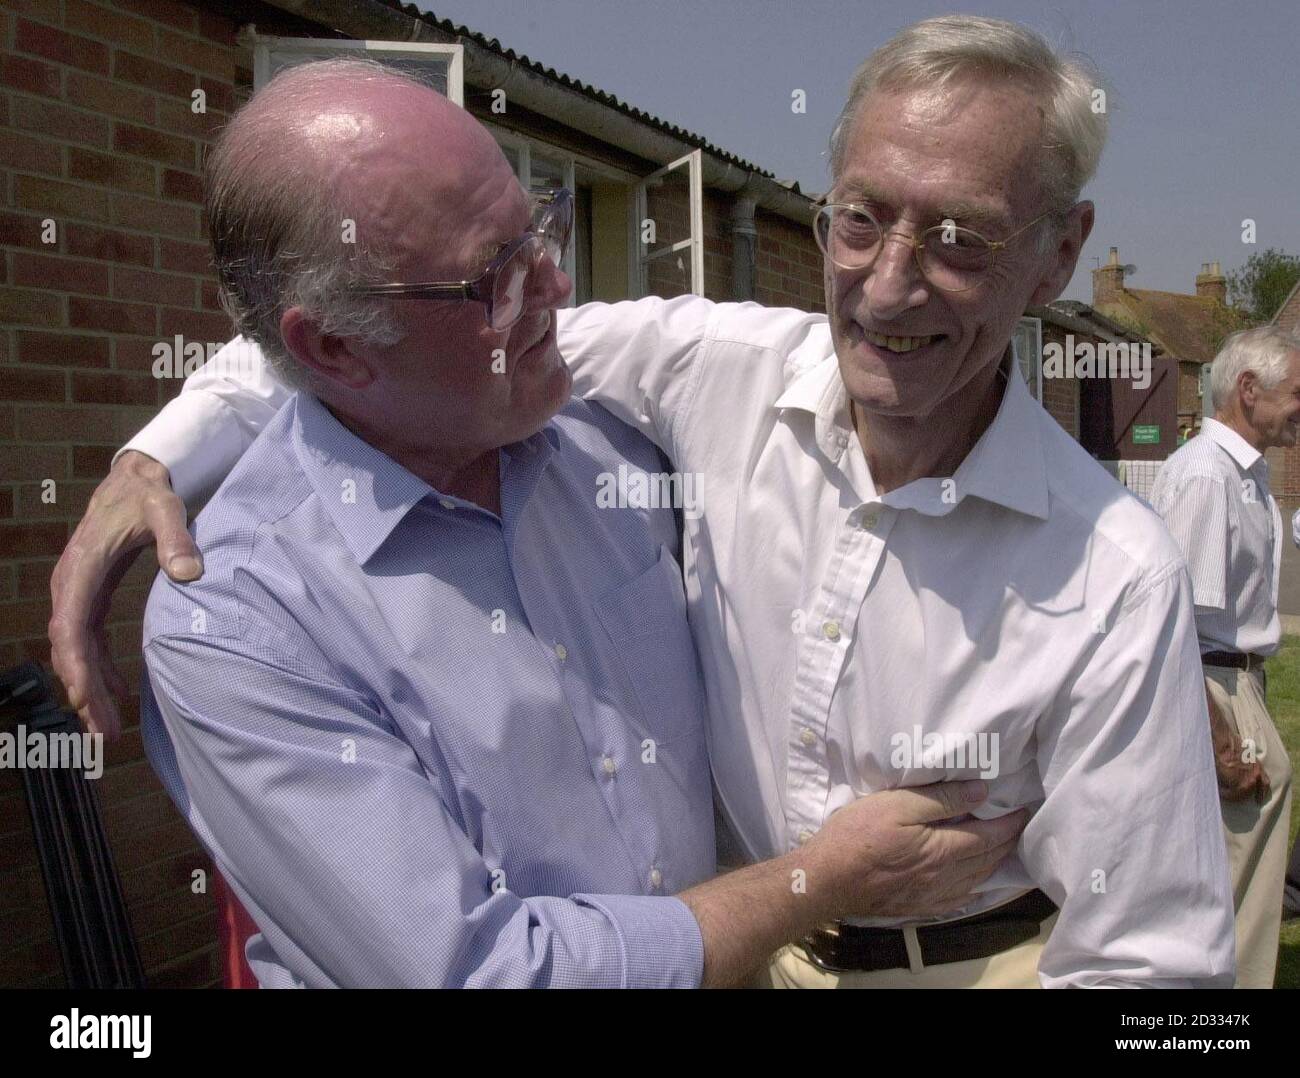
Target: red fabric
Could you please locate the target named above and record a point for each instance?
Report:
(234, 928)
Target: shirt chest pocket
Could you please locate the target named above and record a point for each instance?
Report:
(645, 621)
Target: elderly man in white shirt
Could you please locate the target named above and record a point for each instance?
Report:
(1215, 497)
(901, 569)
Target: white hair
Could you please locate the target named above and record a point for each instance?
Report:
(276, 226)
(936, 52)
(1265, 351)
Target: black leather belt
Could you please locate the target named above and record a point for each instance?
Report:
(1236, 659)
(846, 948)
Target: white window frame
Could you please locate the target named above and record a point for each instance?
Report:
(1037, 324)
(264, 45)
(694, 163)
(524, 146)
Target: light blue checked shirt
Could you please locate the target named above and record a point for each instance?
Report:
(428, 745)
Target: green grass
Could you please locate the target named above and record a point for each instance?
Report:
(1284, 705)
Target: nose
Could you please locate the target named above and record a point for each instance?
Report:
(894, 282)
(548, 285)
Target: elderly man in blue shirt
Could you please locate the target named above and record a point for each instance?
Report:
(437, 716)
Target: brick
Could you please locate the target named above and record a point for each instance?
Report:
(157, 218)
(24, 153)
(22, 384)
(37, 649)
(88, 241)
(6, 513)
(150, 287)
(61, 122)
(160, 78)
(145, 142)
(184, 186)
(220, 93)
(8, 579)
(177, 15)
(31, 540)
(194, 52)
(133, 353)
(60, 274)
(70, 500)
(41, 10)
(113, 98)
(209, 298)
(219, 28)
(103, 22)
(179, 118)
(7, 423)
(92, 461)
(185, 257)
(25, 617)
(109, 170)
(30, 76)
(126, 422)
(24, 307)
(109, 387)
(33, 577)
(111, 316)
(60, 46)
(195, 325)
(32, 463)
(22, 230)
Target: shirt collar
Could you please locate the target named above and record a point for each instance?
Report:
(365, 492)
(368, 494)
(1240, 450)
(1005, 466)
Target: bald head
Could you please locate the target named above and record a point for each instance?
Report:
(338, 173)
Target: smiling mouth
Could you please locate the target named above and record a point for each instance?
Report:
(899, 345)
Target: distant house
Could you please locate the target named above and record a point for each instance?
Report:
(1188, 327)
(1288, 315)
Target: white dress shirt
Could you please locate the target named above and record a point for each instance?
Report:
(1029, 603)
(1215, 498)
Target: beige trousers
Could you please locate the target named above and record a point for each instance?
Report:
(1016, 967)
(1256, 835)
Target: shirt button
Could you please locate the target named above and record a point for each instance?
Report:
(446, 503)
(870, 518)
(804, 836)
(656, 878)
(561, 652)
(607, 765)
(808, 738)
(831, 630)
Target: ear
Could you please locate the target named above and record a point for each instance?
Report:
(326, 356)
(1078, 226)
(1247, 388)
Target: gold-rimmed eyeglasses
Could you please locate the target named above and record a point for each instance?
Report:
(949, 256)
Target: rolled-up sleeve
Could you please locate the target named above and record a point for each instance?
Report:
(1195, 510)
(346, 853)
(1128, 841)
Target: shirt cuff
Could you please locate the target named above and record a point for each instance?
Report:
(197, 439)
(660, 938)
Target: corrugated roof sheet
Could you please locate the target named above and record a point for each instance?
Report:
(587, 90)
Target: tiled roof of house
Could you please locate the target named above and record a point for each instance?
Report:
(1288, 314)
(1189, 327)
(1068, 311)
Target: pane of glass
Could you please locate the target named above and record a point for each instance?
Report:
(547, 172)
(1027, 351)
(667, 273)
(512, 155)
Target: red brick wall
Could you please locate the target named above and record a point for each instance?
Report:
(97, 135)
(789, 266)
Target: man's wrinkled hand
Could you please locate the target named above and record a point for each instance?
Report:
(133, 506)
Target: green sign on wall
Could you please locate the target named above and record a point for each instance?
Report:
(1146, 435)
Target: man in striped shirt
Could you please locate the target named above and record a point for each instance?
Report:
(1213, 493)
